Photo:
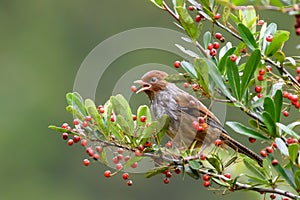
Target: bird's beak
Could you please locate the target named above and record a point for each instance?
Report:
(145, 86)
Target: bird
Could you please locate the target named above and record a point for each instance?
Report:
(191, 123)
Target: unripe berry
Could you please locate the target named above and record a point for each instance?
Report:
(107, 173)
(177, 64)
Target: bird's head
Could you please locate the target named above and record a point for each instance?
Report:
(153, 81)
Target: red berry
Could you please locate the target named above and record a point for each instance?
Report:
(76, 138)
(115, 160)
(260, 95)
(269, 149)
(86, 162)
(261, 72)
(222, 39)
(129, 182)
(120, 150)
(294, 97)
(213, 52)
(260, 78)
(269, 68)
(186, 85)
(107, 173)
(218, 142)
(88, 118)
(141, 147)
(217, 16)
(134, 165)
(216, 45)
(298, 70)
(201, 120)
(202, 157)
(285, 94)
(70, 142)
(168, 174)
(75, 121)
(177, 64)
(143, 118)
(233, 57)
(200, 128)
(133, 88)
(269, 38)
(126, 158)
(251, 140)
(274, 145)
(64, 125)
(125, 176)
(258, 89)
(90, 151)
(260, 22)
(177, 171)
(198, 18)
(191, 8)
(263, 153)
(96, 156)
(112, 118)
(286, 113)
(101, 110)
(227, 175)
(218, 35)
(65, 136)
(169, 144)
(119, 166)
(195, 124)
(84, 142)
(206, 183)
(273, 196)
(120, 156)
(85, 124)
(274, 162)
(137, 152)
(206, 177)
(148, 144)
(166, 181)
(210, 46)
(134, 117)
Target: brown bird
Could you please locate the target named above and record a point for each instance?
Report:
(191, 123)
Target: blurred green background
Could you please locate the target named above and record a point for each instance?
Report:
(43, 44)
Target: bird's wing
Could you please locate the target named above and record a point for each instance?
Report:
(192, 106)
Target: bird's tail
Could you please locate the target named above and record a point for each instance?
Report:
(240, 148)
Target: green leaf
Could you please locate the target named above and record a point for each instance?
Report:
(121, 107)
(286, 174)
(249, 18)
(206, 39)
(297, 179)
(282, 146)
(254, 180)
(233, 78)
(194, 164)
(191, 172)
(59, 129)
(278, 104)
(288, 130)
(189, 68)
(103, 157)
(270, 30)
(93, 112)
(143, 111)
(244, 130)
(187, 22)
(201, 68)
(156, 170)
(75, 112)
(250, 68)
(132, 160)
(270, 123)
(148, 131)
(251, 165)
(215, 163)
(223, 60)
(218, 79)
(229, 162)
(269, 107)
(158, 3)
(279, 56)
(279, 38)
(293, 152)
(247, 36)
(76, 101)
(124, 126)
(276, 3)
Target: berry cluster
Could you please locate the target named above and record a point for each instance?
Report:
(200, 124)
(213, 47)
(168, 174)
(294, 100)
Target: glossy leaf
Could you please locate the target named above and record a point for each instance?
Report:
(297, 179)
(148, 131)
(189, 68)
(158, 3)
(270, 123)
(132, 160)
(187, 22)
(278, 99)
(288, 130)
(247, 36)
(223, 60)
(93, 112)
(233, 78)
(76, 101)
(215, 163)
(156, 170)
(279, 38)
(270, 30)
(201, 69)
(206, 39)
(194, 164)
(244, 130)
(251, 165)
(293, 152)
(250, 68)
(269, 107)
(59, 129)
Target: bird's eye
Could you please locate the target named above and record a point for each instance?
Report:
(153, 80)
